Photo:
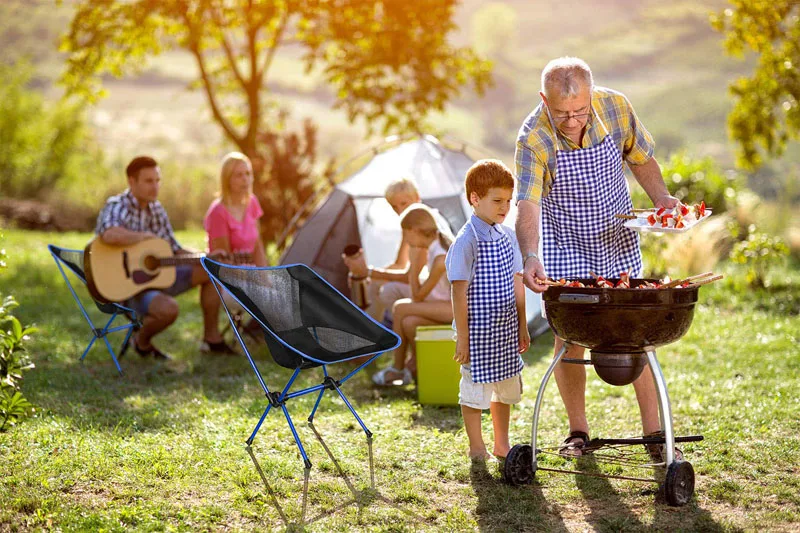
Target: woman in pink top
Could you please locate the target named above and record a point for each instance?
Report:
(232, 220)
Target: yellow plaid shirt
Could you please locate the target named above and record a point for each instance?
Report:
(536, 152)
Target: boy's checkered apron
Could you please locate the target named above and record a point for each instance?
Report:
(492, 312)
(579, 231)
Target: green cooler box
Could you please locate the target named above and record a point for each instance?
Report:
(437, 373)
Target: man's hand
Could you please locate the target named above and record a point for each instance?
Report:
(462, 350)
(666, 201)
(534, 270)
(524, 337)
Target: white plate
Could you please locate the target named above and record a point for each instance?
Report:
(640, 224)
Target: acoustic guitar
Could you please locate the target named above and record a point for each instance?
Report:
(116, 273)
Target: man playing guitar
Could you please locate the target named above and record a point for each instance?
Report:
(136, 215)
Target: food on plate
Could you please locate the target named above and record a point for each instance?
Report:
(679, 216)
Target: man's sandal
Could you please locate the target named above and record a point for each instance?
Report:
(574, 444)
(155, 352)
(656, 451)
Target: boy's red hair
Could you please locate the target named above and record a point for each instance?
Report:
(487, 174)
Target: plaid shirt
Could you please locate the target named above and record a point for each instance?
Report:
(536, 152)
(123, 210)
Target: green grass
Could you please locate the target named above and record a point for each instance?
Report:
(162, 448)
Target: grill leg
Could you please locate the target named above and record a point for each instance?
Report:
(540, 396)
(664, 408)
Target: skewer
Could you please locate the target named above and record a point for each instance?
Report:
(705, 281)
(626, 217)
(549, 282)
(650, 210)
(676, 282)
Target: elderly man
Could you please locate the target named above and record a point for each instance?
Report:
(569, 157)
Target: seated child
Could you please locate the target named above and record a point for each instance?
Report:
(430, 300)
(483, 266)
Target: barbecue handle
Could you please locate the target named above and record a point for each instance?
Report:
(579, 298)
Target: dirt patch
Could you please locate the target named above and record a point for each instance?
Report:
(36, 215)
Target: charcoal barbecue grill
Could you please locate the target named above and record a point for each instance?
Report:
(622, 328)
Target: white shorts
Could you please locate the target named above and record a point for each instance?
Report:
(481, 395)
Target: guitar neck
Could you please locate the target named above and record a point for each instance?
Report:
(188, 259)
(184, 259)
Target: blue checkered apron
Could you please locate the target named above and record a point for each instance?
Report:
(492, 312)
(579, 231)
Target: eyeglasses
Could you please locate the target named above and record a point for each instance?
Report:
(579, 117)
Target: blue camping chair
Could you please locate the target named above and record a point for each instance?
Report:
(73, 260)
(307, 323)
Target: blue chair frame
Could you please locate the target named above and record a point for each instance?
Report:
(112, 309)
(278, 399)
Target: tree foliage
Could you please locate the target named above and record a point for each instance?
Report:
(389, 62)
(40, 146)
(767, 110)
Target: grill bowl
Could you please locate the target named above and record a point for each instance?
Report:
(619, 320)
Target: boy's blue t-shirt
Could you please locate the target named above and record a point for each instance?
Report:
(461, 257)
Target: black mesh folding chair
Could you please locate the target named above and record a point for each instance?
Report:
(73, 260)
(307, 323)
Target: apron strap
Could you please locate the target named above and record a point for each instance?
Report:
(556, 141)
(473, 230)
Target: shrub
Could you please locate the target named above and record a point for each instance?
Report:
(13, 362)
(41, 147)
(692, 180)
(760, 252)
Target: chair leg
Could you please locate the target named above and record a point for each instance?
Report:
(126, 343)
(313, 411)
(258, 426)
(358, 418)
(113, 355)
(89, 347)
(296, 437)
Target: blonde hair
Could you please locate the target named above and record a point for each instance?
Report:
(566, 75)
(487, 174)
(403, 185)
(420, 217)
(229, 163)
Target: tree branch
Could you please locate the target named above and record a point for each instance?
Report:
(227, 47)
(194, 47)
(252, 89)
(273, 47)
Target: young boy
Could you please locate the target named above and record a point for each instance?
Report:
(488, 307)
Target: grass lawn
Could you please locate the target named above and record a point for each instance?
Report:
(162, 448)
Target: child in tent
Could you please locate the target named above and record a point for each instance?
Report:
(383, 291)
(400, 194)
(484, 266)
(430, 300)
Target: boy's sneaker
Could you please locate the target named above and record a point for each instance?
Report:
(219, 348)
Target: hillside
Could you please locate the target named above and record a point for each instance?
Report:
(665, 57)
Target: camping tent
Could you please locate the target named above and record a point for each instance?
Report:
(355, 211)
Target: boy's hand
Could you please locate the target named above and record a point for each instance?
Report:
(462, 351)
(524, 338)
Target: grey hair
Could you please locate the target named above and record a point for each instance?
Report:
(566, 75)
